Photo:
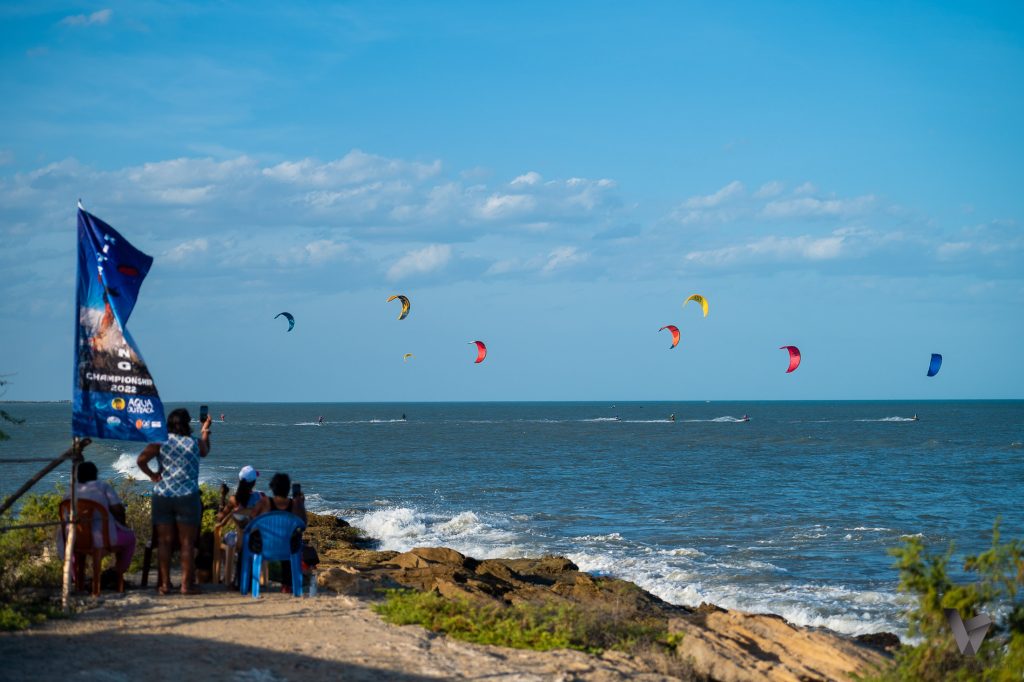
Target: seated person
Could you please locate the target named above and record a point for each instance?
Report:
(122, 538)
(242, 505)
(280, 486)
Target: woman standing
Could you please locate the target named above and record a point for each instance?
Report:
(176, 502)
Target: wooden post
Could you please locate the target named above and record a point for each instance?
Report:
(69, 544)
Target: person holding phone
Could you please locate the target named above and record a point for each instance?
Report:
(176, 503)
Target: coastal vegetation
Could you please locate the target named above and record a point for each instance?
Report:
(30, 570)
(544, 604)
(30, 573)
(537, 626)
(997, 590)
(4, 415)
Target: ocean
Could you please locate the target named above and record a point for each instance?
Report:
(789, 513)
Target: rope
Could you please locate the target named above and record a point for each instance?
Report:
(42, 524)
(29, 460)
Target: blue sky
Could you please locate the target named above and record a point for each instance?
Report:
(552, 180)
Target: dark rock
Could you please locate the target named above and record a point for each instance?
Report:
(547, 566)
(325, 521)
(708, 608)
(883, 641)
(421, 557)
(361, 558)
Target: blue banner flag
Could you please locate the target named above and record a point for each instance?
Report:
(114, 395)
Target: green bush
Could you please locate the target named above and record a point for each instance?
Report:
(523, 626)
(998, 591)
(29, 568)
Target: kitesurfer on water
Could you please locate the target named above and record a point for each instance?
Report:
(320, 420)
(672, 417)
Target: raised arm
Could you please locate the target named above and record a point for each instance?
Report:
(204, 437)
(145, 457)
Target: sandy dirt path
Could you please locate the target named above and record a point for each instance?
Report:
(222, 635)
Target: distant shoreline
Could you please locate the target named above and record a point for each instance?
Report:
(212, 401)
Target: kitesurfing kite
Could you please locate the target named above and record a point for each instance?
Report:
(675, 334)
(699, 299)
(405, 358)
(481, 351)
(794, 357)
(934, 365)
(405, 305)
(289, 317)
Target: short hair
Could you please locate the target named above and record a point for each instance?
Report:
(280, 485)
(178, 422)
(87, 471)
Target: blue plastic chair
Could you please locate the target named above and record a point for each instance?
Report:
(276, 529)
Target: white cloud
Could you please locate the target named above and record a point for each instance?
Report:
(97, 18)
(530, 178)
(187, 250)
(950, 250)
(769, 189)
(323, 250)
(563, 257)
(354, 168)
(811, 207)
(421, 261)
(806, 188)
(730, 191)
(504, 266)
(559, 258)
(775, 248)
(6, 157)
(359, 192)
(506, 206)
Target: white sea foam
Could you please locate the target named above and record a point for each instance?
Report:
(610, 537)
(602, 419)
(888, 419)
(402, 528)
(716, 420)
(126, 467)
(685, 551)
(682, 575)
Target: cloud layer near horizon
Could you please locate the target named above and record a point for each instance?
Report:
(414, 221)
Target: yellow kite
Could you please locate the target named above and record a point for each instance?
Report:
(405, 305)
(699, 299)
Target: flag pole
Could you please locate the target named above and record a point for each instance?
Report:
(70, 537)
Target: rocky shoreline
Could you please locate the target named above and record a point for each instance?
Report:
(718, 644)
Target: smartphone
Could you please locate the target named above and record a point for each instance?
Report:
(296, 489)
(204, 411)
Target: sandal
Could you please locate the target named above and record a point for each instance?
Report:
(163, 590)
(191, 589)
